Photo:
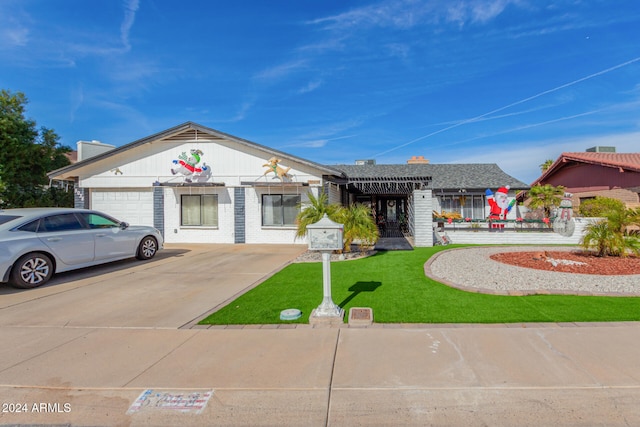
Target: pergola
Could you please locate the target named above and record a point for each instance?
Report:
(387, 185)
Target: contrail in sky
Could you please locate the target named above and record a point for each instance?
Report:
(130, 9)
(522, 101)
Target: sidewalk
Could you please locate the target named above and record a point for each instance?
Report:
(497, 375)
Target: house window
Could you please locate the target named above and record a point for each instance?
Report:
(199, 210)
(279, 209)
(478, 207)
(468, 206)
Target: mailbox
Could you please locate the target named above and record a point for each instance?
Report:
(325, 235)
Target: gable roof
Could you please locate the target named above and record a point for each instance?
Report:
(623, 161)
(192, 129)
(444, 176)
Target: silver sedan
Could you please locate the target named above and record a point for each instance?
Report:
(35, 243)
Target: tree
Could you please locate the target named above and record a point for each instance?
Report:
(26, 155)
(546, 165)
(546, 197)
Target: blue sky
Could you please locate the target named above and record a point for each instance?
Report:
(512, 82)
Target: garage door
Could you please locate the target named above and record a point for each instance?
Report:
(132, 206)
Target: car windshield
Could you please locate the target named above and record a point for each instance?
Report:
(7, 218)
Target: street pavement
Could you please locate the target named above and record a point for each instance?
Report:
(81, 350)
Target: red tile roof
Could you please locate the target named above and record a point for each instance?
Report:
(628, 161)
(623, 160)
(72, 156)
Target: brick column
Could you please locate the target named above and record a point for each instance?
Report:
(80, 196)
(158, 208)
(239, 227)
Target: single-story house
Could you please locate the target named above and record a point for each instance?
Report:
(596, 173)
(199, 185)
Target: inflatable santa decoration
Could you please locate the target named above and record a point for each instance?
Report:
(499, 205)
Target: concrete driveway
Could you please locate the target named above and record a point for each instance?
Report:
(178, 287)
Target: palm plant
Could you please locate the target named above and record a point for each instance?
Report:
(611, 236)
(603, 238)
(546, 165)
(314, 211)
(546, 197)
(358, 224)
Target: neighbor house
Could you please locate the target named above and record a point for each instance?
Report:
(599, 171)
(199, 185)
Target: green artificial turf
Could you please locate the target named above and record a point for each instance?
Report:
(394, 285)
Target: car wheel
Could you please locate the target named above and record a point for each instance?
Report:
(147, 248)
(31, 270)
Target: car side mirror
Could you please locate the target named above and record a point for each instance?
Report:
(124, 225)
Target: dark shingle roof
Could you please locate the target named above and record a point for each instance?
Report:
(471, 176)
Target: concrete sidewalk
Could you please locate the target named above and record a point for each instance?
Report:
(498, 375)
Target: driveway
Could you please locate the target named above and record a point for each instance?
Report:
(178, 287)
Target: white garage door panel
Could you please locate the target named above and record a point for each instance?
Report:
(134, 207)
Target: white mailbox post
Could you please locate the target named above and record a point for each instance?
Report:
(326, 236)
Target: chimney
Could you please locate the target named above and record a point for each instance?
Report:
(601, 149)
(88, 149)
(367, 162)
(417, 160)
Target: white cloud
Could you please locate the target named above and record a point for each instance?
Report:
(483, 11)
(280, 71)
(405, 14)
(14, 37)
(310, 87)
(130, 9)
(14, 26)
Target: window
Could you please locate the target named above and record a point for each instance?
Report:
(99, 221)
(468, 206)
(62, 222)
(7, 218)
(199, 210)
(31, 227)
(279, 209)
(478, 207)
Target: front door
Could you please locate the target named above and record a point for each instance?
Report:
(391, 215)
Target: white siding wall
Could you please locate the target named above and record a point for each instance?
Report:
(255, 232)
(175, 233)
(230, 163)
(333, 193)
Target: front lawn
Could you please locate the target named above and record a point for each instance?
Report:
(393, 284)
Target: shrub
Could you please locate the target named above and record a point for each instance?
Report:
(611, 236)
(600, 206)
(357, 220)
(358, 225)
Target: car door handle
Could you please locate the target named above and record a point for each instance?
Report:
(54, 239)
(100, 235)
